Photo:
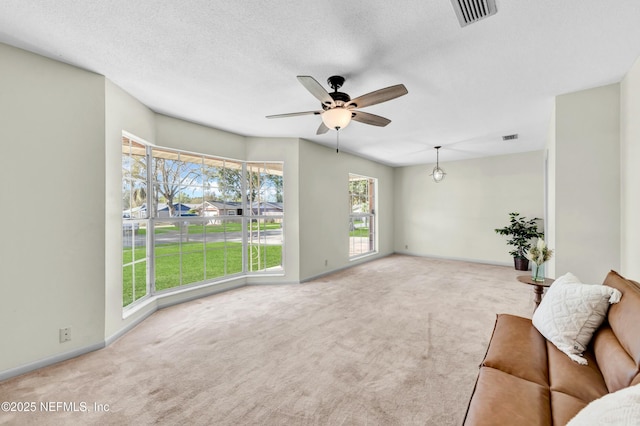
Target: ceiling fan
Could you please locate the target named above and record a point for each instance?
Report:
(338, 109)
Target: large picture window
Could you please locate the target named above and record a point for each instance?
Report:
(362, 208)
(206, 218)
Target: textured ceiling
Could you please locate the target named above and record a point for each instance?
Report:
(229, 64)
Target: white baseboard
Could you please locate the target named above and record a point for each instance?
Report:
(354, 262)
(461, 259)
(45, 362)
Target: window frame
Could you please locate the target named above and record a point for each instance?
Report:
(242, 230)
(133, 223)
(360, 247)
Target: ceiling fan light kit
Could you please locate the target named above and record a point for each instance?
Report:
(438, 174)
(336, 118)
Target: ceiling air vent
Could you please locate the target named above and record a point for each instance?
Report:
(510, 137)
(470, 11)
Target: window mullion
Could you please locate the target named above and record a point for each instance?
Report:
(243, 220)
(151, 225)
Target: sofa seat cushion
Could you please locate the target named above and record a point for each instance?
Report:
(518, 349)
(565, 407)
(503, 399)
(584, 382)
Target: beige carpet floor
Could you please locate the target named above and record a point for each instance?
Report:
(396, 341)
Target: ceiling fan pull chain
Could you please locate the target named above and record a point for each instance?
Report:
(337, 140)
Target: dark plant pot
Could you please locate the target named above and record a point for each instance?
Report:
(521, 263)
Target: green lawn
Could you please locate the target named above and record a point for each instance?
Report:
(174, 268)
(200, 229)
(359, 232)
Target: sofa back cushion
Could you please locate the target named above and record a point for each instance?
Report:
(617, 343)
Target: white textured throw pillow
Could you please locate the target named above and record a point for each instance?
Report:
(621, 408)
(570, 313)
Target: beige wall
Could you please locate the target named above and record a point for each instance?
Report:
(587, 183)
(456, 218)
(550, 202)
(180, 134)
(630, 172)
(122, 112)
(324, 207)
(52, 170)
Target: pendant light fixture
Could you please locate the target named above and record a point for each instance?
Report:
(437, 174)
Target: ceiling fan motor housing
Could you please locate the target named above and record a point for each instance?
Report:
(339, 98)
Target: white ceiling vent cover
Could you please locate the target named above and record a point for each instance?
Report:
(470, 11)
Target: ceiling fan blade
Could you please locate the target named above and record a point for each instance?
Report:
(316, 90)
(294, 114)
(379, 96)
(322, 129)
(367, 118)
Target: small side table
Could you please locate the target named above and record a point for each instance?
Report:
(538, 287)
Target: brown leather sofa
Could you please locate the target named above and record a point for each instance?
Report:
(525, 380)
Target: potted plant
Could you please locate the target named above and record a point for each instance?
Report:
(520, 232)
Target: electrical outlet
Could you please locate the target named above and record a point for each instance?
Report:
(406, 246)
(326, 262)
(65, 334)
